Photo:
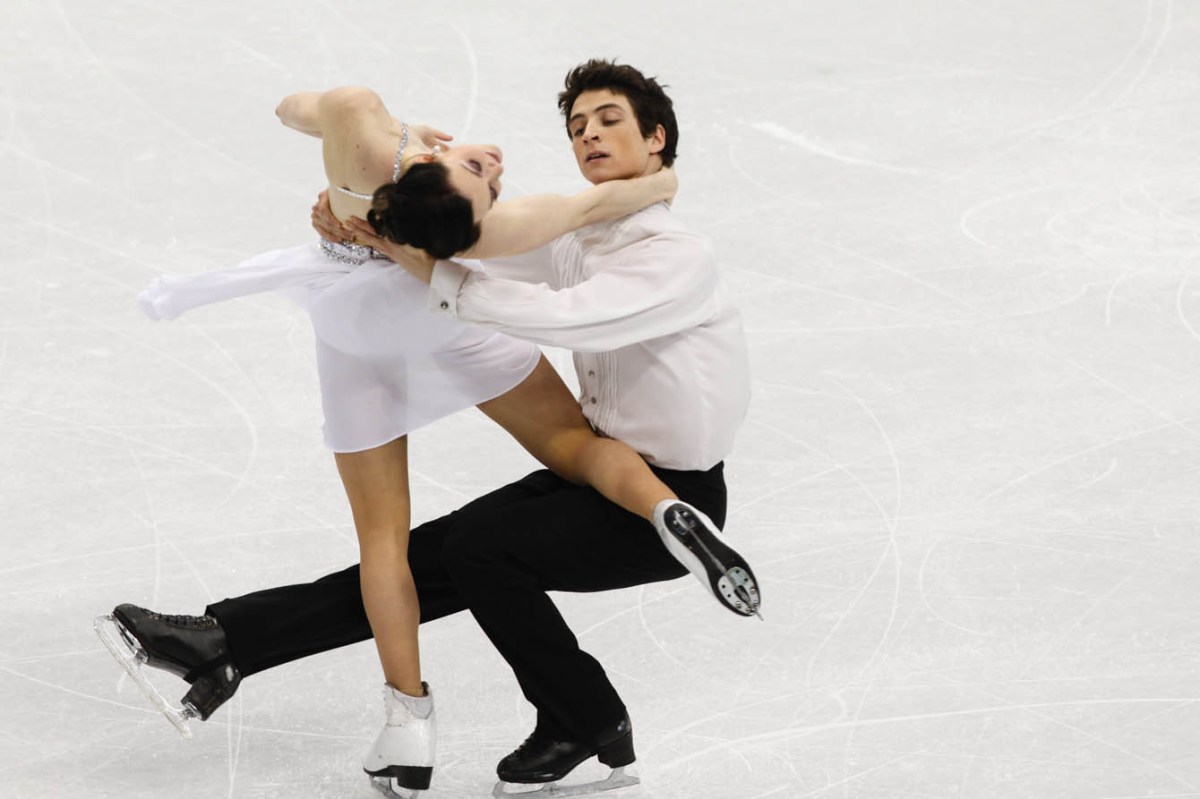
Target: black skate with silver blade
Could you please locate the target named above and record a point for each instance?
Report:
(191, 647)
(544, 759)
(693, 540)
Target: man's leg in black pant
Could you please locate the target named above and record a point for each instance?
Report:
(278, 625)
(567, 538)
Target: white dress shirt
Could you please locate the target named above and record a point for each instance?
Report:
(659, 350)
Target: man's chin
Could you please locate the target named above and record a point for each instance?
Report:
(604, 171)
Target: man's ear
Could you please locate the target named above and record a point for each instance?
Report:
(657, 139)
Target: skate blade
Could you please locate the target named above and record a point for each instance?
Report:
(126, 651)
(391, 787)
(617, 779)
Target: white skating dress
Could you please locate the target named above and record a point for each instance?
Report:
(386, 365)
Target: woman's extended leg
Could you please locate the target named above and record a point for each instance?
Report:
(376, 483)
(543, 417)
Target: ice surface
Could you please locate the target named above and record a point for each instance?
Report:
(966, 240)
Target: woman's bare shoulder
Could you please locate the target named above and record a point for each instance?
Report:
(351, 100)
(359, 141)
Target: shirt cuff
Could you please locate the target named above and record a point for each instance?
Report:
(444, 285)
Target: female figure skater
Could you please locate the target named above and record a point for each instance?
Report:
(386, 366)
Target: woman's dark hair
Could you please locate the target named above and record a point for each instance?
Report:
(650, 103)
(425, 210)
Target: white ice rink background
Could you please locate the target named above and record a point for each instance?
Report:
(965, 235)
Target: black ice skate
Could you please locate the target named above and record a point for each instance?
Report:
(191, 647)
(544, 759)
(693, 539)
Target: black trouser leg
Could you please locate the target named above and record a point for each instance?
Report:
(498, 555)
(282, 624)
(566, 538)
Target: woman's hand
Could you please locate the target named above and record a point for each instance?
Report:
(325, 223)
(666, 181)
(416, 261)
(430, 137)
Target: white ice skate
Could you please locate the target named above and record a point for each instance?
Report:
(617, 778)
(694, 541)
(400, 762)
(130, 654)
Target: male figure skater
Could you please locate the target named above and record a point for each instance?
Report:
(662, 364)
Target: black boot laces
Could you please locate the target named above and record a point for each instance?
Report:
(188, 622)
(535, 742)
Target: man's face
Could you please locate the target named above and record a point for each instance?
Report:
(607, 142)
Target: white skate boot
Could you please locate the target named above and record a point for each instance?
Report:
(400, 762)
(694, 541)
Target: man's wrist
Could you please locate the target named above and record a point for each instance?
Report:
(445, 282)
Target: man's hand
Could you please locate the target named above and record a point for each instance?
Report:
(418, 262)
(325, 223)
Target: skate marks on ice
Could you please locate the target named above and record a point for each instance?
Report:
(129, 654)
(967, 254)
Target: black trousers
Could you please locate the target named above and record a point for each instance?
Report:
(497, 557)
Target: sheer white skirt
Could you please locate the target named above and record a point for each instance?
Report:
(386, 364)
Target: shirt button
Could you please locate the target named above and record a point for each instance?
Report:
(591, 373)
(444, 305)
(593, 400)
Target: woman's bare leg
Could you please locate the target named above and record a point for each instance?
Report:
(620, 474)
(376, 483)
(545, 419)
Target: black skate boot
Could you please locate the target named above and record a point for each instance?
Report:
(544, 758)
(694, 541)
(191, 647)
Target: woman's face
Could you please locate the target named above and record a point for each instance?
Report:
(474, 171)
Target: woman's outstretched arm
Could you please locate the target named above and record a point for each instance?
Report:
(339, 111)
(301, 112)
(527, 223)
(312, 112)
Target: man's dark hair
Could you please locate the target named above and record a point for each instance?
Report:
(650, 103)
(425, 210)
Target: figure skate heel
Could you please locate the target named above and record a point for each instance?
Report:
(617, 753)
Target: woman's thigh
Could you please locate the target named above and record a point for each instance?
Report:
(376, 483)
(545, 419)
